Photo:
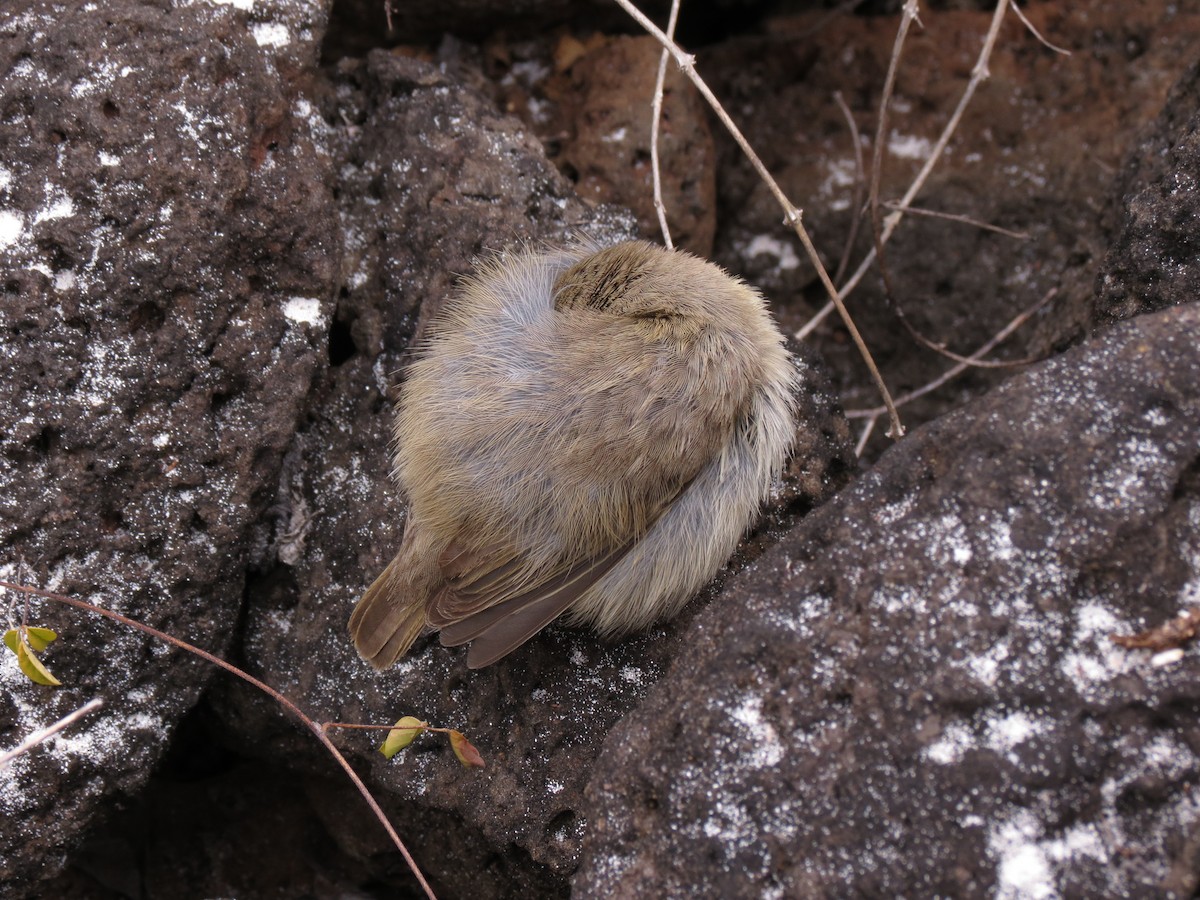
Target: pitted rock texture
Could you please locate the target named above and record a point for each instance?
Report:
(1155, 261)
(540, 717)
(223, 291)
(167, 273)
(915, 693)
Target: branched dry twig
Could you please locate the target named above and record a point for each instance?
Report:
(965, 220)
(656, 116)
(49, 731)
(889, 292)
(856, 199)
(978, 75)
(279, 698)
(872, 415)
(791, 213)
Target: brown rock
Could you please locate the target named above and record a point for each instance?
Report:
(604, 116)
(538, 718)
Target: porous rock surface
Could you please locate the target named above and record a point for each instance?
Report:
(167, 271)
(1155, 260)
(915, 692)
(539, 719)
(294, 227)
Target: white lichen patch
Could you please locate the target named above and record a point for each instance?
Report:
(836, 186)
(765, 747)
(781, 250)
(1091, 659)
(997, 731)
(271, 34)
(907, 146)
(303, 310)
(1138, 471)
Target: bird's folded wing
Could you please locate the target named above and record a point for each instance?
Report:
(498, 629)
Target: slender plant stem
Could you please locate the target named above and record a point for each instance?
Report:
(279, 698)
(49, 731)
(978, 75)
(792, 215)
(954, 371)
(656, 116)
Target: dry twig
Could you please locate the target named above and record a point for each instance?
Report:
(871, 415)
(49, 731)
(279, 698)
(978, 75)
(656, 114)
(1175, 633)
(791, 213)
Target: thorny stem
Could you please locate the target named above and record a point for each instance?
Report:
(656, 116)
(49, 731)
(262, 686)
(792, 215)
(978, 75)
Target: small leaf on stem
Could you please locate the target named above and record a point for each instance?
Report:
(465, 750)
(402, 735)
(33, 668)
(39, 638)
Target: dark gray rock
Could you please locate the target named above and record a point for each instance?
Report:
(431, 176)
(168, 250)
(1155, 260)
(916, 694)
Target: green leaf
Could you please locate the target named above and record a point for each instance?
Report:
(465, 750)
(11, 639)
(33, 668)
(402, 735)
(39, 638)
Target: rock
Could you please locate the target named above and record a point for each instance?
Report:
(916, 692)
(603, 120)
(1155, 261)
(168, 269)
(538, 718)
(1013, 162)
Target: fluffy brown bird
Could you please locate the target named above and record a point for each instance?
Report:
(588, 432)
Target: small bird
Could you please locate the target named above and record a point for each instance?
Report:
(588, 432)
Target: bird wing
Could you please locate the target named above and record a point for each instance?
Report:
(494, 597)
(497, 629)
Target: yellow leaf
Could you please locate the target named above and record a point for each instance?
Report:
(402, 735)
(39, 638)
(33, 668)
(11, 639)
(465, 750)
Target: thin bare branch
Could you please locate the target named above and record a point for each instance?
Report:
(965, 220)
(907, 17)
(656, 116)
(978, 75)
(1037, 34)
(868, 430)
(279, 698)
(856, 198)
(1017, 321)
(792, 215)
(49, 731)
